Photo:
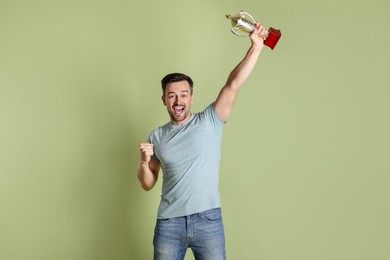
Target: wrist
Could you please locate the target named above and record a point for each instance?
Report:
(257, 46)
(144, 164)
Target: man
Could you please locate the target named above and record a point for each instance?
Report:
(188, 150)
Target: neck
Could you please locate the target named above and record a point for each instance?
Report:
(182, 122)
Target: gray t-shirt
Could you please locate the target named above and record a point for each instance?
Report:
(190, 157)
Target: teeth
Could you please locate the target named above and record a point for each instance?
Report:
(179, 109)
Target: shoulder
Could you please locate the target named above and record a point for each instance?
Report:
(156, 133)
(210, 113)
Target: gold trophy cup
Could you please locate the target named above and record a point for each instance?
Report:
(243, 24)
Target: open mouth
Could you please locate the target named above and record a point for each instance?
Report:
(178, 109)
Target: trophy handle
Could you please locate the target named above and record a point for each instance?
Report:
(245, 13)
(237, 33)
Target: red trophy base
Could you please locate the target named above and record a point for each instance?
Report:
(273, 37)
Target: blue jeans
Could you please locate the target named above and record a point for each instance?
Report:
(203, 232)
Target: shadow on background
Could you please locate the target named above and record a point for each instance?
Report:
(116, 208)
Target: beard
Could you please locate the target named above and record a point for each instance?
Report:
(178, 113)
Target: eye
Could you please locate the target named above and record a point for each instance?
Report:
(183, 95)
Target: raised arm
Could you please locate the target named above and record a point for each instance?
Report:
(227, 95)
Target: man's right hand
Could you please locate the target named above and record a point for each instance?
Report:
(148, 171)
(146, 150)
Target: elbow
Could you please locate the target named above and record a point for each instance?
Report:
(147, 181)
(146, 187)
(233, 85)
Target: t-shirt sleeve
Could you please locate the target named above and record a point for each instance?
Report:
(212, 114)
(151, 141)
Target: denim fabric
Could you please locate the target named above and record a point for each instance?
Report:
(202, 232)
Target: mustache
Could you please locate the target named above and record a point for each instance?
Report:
(178, 106)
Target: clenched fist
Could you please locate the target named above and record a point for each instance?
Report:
(146, 150)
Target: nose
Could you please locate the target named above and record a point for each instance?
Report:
(177, 99)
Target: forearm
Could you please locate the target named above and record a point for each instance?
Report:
(242, 71)
(146, 177)
(236, 79)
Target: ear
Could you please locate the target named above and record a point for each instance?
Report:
(192, 99)
(163, 100)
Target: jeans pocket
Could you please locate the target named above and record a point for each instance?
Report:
(213, 215)
(164, 220)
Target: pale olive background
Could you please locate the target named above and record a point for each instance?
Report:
(306, 153)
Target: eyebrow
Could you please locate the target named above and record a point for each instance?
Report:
(172, 92)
